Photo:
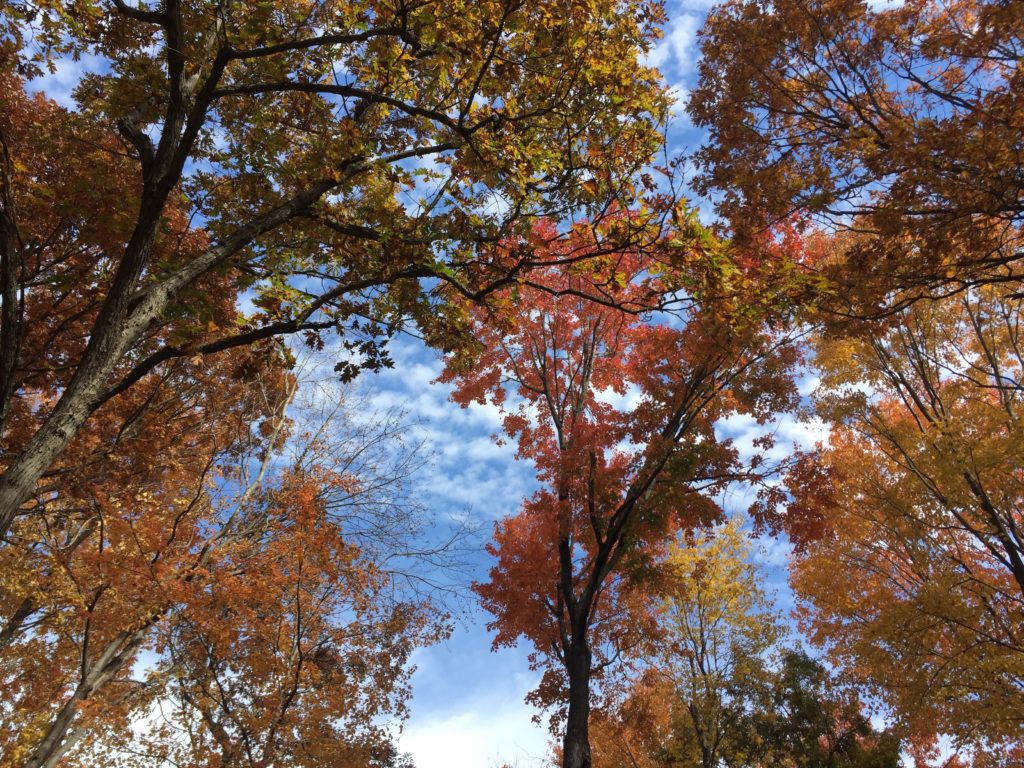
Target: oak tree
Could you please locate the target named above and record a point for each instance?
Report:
(808, 717)
(121, 534)
(897, 125)
(347, 164)
(294, 653)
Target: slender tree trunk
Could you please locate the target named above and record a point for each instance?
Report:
(61, 735)
(576, 744)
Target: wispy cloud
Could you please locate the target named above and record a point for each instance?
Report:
(676, 53)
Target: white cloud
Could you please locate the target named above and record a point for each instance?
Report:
(625, 402)
(808, 385)
(788, 430)
(678, 48)
(679, 96)
(771, 551)
(477, 738)
(469, 711)
(805, 433)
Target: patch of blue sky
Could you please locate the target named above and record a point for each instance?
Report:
(800, 431)
(59, 81)
(429, 179)
(470, 470)
(467, 708)
(883, 5)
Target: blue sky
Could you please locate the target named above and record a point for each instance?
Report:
(467, 709)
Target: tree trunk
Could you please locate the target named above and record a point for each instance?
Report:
(61, 735)
(576, 744)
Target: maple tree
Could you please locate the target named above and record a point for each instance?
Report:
(921, 503)
(897, 125)
(279, 148)
(573, 566)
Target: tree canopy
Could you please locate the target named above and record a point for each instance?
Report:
(326, 157)
(924, 514)
(576, 564)
(896, 124)
(214, 553)
(722, 687)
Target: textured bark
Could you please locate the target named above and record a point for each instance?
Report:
(576, 744)
(10, 299)
(15, 623)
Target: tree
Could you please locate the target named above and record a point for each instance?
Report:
(810, 721)
(291, 132)
(718, 687)
(896, 124)
(294, 653)
(793, 714)
(120, 535)
(924, 517)
(207, 544)
(634, 727)
(705, 664)
(574, 566)
(719, 629)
